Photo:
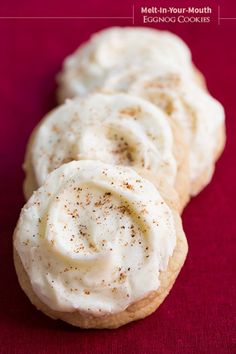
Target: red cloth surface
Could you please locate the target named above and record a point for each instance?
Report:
(199, 314)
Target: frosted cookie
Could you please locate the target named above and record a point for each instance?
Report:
(117, 48)
(119, 129)
(97, 246)
(190, 107)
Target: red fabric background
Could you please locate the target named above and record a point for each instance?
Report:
(199, 314)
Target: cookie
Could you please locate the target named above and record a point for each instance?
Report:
(97, 246)
(113, 49)
(119, 129)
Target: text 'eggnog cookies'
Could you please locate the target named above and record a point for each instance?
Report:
(157, 66)
(119, 129)
(97, 246)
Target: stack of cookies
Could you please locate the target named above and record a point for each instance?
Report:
(108, 173)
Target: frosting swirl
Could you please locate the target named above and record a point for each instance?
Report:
(94, 238)
(117, 129)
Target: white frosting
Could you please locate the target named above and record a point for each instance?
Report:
(94, 238)
(117, 129)
(117, 48)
